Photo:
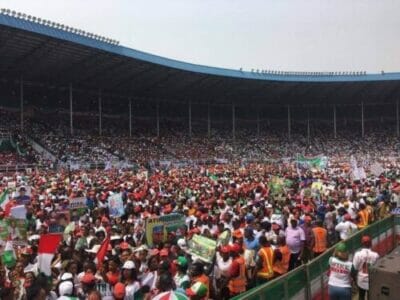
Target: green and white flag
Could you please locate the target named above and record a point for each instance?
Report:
(4, 199)
(8, 257)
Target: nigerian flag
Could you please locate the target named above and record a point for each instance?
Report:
(8, 257)
(4, 199)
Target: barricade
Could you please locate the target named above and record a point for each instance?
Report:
(310, 281)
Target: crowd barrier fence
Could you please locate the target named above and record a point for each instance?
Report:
(310, 281)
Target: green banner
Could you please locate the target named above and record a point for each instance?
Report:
(158, 228)
(319, 162)
(202, 248)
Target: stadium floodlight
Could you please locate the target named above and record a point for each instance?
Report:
(13, 13)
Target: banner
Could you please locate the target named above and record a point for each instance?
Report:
(202, 247)
(17, 229)
(62, 221)
(276, 186)
(158, 228)
(116, 205)
(319, 162)
(76, 203)
(377, 169)
(223, 238)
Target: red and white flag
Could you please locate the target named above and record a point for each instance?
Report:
(48, 244)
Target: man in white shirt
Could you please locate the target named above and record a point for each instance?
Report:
(346, 227)
(361, 261)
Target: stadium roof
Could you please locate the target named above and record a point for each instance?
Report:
(43, 53)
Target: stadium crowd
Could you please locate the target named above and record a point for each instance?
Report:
(266, 212)
(277, 216)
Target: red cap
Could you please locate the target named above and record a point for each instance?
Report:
(104, 219)
(307, 219)
(119, 290)
(235, 248)
(366, 240)
(347, 217)
(225, 249)
(88, 278)
(124, 245)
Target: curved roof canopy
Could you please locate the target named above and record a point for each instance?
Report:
(51, 56)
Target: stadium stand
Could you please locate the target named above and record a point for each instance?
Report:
(132, 175)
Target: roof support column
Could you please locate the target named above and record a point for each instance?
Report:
(397, 119)
(130, 117)
(289, 122)
(362, 119)
(100, 120)
(21, 95)
(208, 120)
(158, 118)
(334, 121)
(308, 126)
(71, 124)
(233, 122)
(190, 117)
(258, 122)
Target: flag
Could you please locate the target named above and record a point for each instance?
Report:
(8, 257)
(4, 199)
(48, 244)
(102, 251)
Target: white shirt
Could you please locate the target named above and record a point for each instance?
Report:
(362, 259)
(340, 272)
(346, 229)
(223, 266)
(130, 290)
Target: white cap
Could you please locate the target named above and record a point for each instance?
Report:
(66, 276)
(65, 288)
(129, 265)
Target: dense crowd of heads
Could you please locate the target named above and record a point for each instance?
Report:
(266, 212)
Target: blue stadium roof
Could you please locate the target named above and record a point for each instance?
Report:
(45, 54)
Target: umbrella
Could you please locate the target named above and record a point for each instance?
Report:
(172, 295)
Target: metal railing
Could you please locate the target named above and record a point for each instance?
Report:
(309, 281)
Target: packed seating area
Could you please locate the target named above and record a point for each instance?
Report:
(260, 193)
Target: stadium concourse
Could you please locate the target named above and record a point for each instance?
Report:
(130, 176)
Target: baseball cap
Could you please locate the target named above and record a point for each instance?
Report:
(129, 265)
(124, 245)
(366, 240)
(225, 249)
(249, 217)
(119, 290)
(198, 289)
(347, 217)
(181, 261)
(65, 288)
(307, 219)
(88, 278)
(66, 276)
(164, 252)
(235, 248)
(341, 247)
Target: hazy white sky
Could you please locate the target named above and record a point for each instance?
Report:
(295, 35)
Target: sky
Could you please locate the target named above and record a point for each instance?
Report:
(286, 35)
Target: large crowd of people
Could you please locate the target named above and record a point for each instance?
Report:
(262, 211)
